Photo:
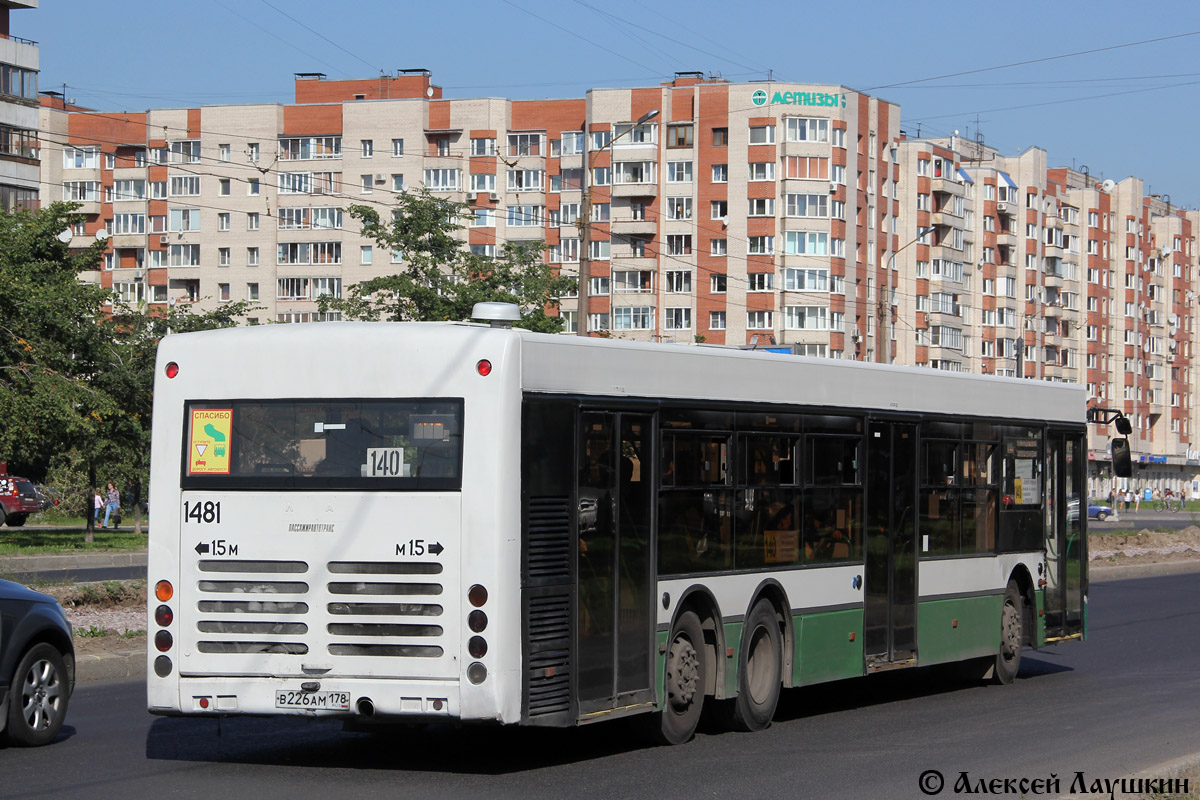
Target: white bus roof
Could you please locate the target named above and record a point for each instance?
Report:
(560, 364)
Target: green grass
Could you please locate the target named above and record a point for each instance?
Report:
(35, 541)
(90, 632)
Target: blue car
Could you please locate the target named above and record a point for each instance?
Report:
(1098, 512)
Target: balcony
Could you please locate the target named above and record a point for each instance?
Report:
(634, 189)
(631, 226)
(947, 185)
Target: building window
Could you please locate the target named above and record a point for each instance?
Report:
(679, 281)
(758, 320)
(367, 148)
(679, 208)
(251, 256)
(716, 320)
(760, 281)
(679, 244)
(680, 135)
(761, 245)
(368, 184)
(762, 134)
(397, 148)
(599, 322)
(633, 318)
(525, 144)
(719, 209)
(761, 171)
(720, 137)
(801, 129)
(442, 180)
(223, 221)
(252, 221)
(677, 319)
(525, 180)
(719, 247)
(679, 172)
(808, 205)
(717, 283)
(761, 207)
(252, 186)
(223, 256)
(251, 291)
(483, 147)
(720, 173)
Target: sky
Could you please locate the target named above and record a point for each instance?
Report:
(1110, 85)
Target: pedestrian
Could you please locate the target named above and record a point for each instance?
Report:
(113, 504)
(1110, 499)
(1137, 500)
(98, 504)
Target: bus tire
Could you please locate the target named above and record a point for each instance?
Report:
(686, 674)
(1012, 635)
(760, 670)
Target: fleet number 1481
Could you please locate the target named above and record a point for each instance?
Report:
(207, 511)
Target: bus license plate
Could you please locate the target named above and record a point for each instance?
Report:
(328, 701)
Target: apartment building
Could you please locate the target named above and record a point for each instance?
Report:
(1019, 269)
(19, 168)
(789, 216)
(734, 214)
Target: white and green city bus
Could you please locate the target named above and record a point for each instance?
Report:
(466, 522)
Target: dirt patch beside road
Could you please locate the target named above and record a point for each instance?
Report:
(1145, 547)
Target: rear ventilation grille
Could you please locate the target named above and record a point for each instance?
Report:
(548, 538)
(549, 667)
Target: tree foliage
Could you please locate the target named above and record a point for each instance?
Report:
(76, 380)
(440, 278)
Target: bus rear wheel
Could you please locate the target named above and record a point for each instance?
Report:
(760, 670)
(1012, 635)
(685, 681)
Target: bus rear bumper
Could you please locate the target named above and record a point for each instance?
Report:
(339, 698)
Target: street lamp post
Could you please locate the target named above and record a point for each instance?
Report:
(883, 302)
(585, 220)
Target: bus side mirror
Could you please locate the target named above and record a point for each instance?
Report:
(1122, 463)
(1124, 427)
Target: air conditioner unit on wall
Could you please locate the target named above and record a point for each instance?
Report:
(164, 239)
(1001, 207)
(493, 196)
(470, 195)
(380, 178)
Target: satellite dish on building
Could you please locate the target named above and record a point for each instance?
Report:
(1108, 185)
(65, 236)
(101, 235)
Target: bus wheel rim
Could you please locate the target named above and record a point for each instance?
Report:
(683, 674)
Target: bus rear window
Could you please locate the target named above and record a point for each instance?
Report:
(323, 444)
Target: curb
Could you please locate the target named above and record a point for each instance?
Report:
(104, 667)
(23, 564)
(1101, 573)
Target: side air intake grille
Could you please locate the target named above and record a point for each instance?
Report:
(548, 538)
(549, 665)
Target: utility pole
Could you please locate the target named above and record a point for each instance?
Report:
(585, 218)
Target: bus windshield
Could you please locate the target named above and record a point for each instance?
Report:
(326, 443)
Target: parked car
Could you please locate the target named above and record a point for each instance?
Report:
(18, 499)
(37, 666)
(1099, 512)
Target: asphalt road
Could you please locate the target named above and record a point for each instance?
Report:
(1125, 700)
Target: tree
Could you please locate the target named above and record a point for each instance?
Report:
(76, 381)
(441, 279)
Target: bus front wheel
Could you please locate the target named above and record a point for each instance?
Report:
(685, 681)
(760, 670)
(1012, 635)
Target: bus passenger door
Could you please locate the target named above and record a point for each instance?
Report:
(890, 591)
(1065, 543)
(614, 625)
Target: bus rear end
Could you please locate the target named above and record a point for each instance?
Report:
(307, 556)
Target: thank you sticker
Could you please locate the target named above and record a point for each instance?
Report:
(208, 448)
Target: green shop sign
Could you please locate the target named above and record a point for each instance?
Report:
(827, 99)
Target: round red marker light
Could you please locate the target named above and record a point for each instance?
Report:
(172, 369)
(204, 702)
(484, 367)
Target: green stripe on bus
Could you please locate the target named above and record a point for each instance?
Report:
(733, 642)
(963, 627)
(828, 646)
(1039, 598)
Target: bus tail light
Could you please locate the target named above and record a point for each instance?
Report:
(484, 367)
(172, 369)
(162, 666)
(477, 595)
(163, 640)
(164, 616)
(164, 591)
(477, 621)
(477, 673)
(477, 647)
